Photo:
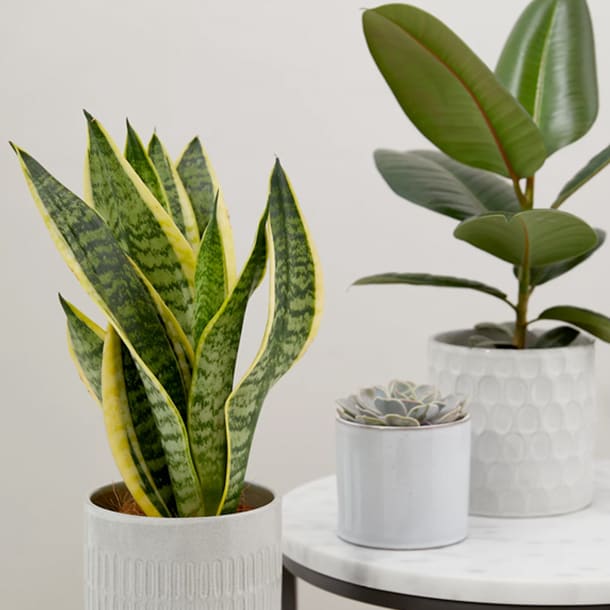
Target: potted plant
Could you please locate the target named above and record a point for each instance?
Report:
(151, 244)
(532, 397)
(403, 467)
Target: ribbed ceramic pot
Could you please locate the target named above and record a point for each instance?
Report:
(533, 417)
(403, 488)
(204, 563)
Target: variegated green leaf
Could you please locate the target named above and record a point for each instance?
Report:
(295, 308)
(179, 203)
(213, 377)
(120, 430)
(135, 153)
(141, 225)
(211, 282)
(93, 254)
(86, 343)
(174, 439)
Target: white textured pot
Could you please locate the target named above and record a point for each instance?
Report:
(403, 488)
(532, 420)
(203, 563)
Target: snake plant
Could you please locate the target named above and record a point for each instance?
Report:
(151, 243)
(494, 132)
(402, 404)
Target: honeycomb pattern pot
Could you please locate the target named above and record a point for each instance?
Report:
(201, 563)
(532, 423)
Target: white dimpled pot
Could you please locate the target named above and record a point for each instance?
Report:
(533, 417)
(230, 562)
(403, 488)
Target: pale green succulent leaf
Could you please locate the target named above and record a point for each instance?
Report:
(594, 167)
(213, 377)
(426, 65)
(295, 308)
(590, 321)
(435, 181)
(532, 237)
(140, 224)
(94, 256)
(548, 64)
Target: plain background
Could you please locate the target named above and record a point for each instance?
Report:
(253, 79)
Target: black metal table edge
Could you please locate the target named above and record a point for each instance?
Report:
(387, 599)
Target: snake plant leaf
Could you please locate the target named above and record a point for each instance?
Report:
(541, 275)
(295, 310)
(120, 430)
(135, 153)
(531, 237)
(93, 254)
(86, 344)
(214, 375)
(548, 64)
(590, 321)
(426, 65)
(427, 279)
(199, 179)
(211, 274)
(556, 337)
(595, 165)
(179, 204)
(438, 183)
(136, 217)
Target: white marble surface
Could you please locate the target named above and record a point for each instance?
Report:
(561, 560)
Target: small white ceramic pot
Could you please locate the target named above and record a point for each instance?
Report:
(533, 417)
(202, 563)
(403, 488)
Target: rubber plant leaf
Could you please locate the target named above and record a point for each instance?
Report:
(179, 203)
(440, 84)
(437, 182)
(531, 238)
(556, 337)
(136, 217)
(548, 64)
(541, 275)
(85, 343)
(137, 156)
(203, 189)
(93, 254)
(294, 313)
(214, 375)
(595, 165)
(590, 321)
(211, 274)
(124, 404)
(426, 279)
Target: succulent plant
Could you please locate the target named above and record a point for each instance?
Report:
(152, 244)
(402, 404)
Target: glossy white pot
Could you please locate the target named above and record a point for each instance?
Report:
(203, 563)
(532, 420)
(403, 488)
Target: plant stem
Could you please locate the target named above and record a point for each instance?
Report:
(522, 303)
(529, 192)
(520, 196)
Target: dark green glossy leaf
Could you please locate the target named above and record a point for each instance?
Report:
(556, 337)
(449, 94)
(426, 279)
(585, 319)
(541, 275)
(596, 165)
(438, 183)
(548, 64)
(532, 237)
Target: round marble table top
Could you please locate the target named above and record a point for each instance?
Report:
(561, 560)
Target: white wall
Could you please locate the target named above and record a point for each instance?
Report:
(253, 79)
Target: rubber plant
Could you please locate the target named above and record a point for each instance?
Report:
(494, 132)
(151, 243)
